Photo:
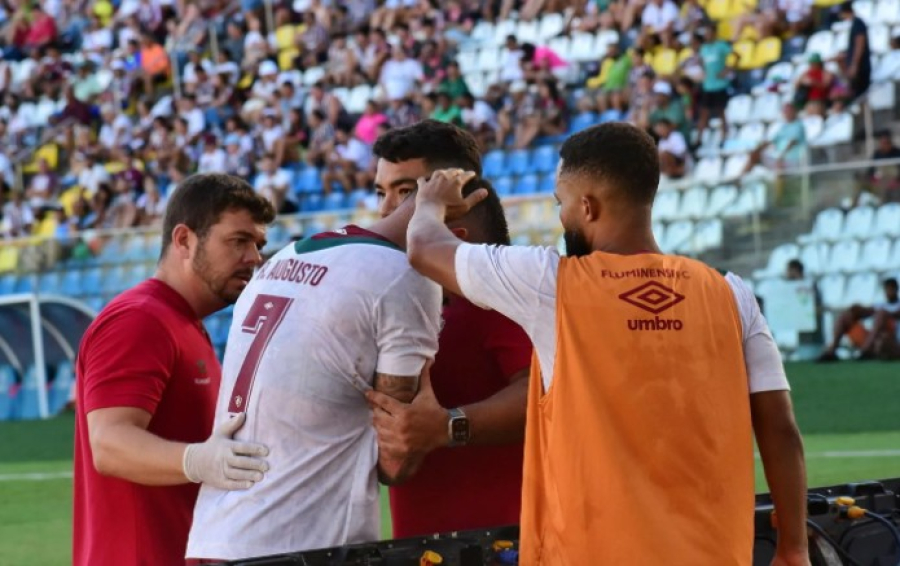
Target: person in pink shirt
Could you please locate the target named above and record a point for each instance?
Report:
(367, 126)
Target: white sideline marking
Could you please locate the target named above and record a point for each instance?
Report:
(38, 476)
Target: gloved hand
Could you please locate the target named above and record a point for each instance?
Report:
(223, 462)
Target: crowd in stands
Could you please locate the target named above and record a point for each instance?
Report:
(134, 95)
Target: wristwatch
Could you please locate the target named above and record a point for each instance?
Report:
(458, 427)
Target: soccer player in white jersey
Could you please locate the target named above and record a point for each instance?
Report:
(322, 322)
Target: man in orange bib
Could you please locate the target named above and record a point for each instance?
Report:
(651, 374)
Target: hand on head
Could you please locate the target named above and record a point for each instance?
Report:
(445, 188)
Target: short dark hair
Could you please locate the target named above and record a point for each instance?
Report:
(846, 7)
(200, 200)
(489, 214)
(891, 282)
(441, 145)
(797, 265)
(623, 156)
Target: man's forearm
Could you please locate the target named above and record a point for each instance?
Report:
(781, 448)
(131, 453)
(499, 419)
(426, 227)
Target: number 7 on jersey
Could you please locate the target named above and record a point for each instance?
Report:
(263, 319)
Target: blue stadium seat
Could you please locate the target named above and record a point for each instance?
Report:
(311, 203)
(71, 283)
(115, 280)
(48, 282)
(333, 201)
(548, 183)
(27, 405)
(308, 181)
(527, 185)
(313, 228)
(545, 159)
(504, 186)
(24, 284)
(95, 303)
(7, 380)
(61, 387)
(582, 121)
(91, 281)
(520, 162)
(357, 197)
(111, 252)
(494, 164)
(7, 283)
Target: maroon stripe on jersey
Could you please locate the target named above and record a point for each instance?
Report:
(351, 230)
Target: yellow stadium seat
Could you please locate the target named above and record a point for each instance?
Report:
(245, 82)
(749, 33)
(49, 152)
(665, 62)
(741, 7)
(68, 198)
(744, 49)
(724, 30)
(767, 52)
(45, 228)
(685, 54)
(286, 59)
(284, 37)
(827, 3)
(718, 9)
(9, 258)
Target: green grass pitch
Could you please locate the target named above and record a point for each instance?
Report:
(849, 414)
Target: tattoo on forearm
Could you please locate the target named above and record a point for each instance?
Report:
(401, 387)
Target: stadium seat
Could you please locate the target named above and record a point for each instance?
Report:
(666, 205)
(95, 303)
(693, 203)
(734, 167)
(709, 234)
(862, 289)
(831, 290)
(545, 159)
(767, 51)
(583, 48)
(7, 283)
(887, 220)
(888, 67)
(879, 39)
(489, 59)
(859, 223)
(813, 126)
(837, 129)
(502, 29)
(582, 121)
(767, 108)
(115, 280)
(528, 31)
(738, 110)
(504, 186)
(778, 260)
(865, 10)
(308, 181)
(721, 198)
(333, 201)
(91, 281)
(744, 52)
(844, 257)
(882, 96)
(815, 257)
(313, 75)
(494, 164)
(665, 62)
(60, 388)
(679, 236)
(27, 405)
(827, 227)
(468, 61)
(527, 185)
(48, 282)
(893, 262)
(561, 45)
(7, 380)
(70, 284)
(520, 162)
(718, 9)
(888, 12)
(875, 255)
(551, 25)
(820, 43)
(548, 183)
(708, 171)
(25, 284)
(483, 32)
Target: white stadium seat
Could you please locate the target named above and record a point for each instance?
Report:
(313, 75)
(879, 39)
(838, 129)
(709, 234)
(468, 61)
(875, 255)
(887, 220)
(813, 126)
(693, 203)
(738, 110)
(893, 261)
(767, 107)
(859, 223)
(659, 232)
(865, 10)
(822, 43)
(665, 207)
(882, 96)
(734, 167)
(489, 59)
(778, 260)
(483, 32)
(828, 226)
(528, 32)
(708, 171)
(583, 48)
(751, 198)
(502, 30)
(844, 257)
(562, 45)
(831, 289)
(862, 289)
(888, 12)
(815, 257)
(888, 67)
(551, 26)
(678, 236)
(721, 198)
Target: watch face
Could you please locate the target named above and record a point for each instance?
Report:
(460, 429)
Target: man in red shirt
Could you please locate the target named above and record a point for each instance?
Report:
(148, 381)
(467, 423)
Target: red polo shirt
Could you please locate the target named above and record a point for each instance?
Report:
(468, 487)
(148, 350)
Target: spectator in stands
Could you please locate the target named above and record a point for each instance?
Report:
(321, 138)
(255, 46)
(541, 62)
(691, 17)
(151, 204)
(296, 134)
(786, 150)
(237, 162)
(213, 159)
(642, 101)
(857, 60)
(122, 212)
(85, 85)
(115, 129)
(518, 106)
(511, 67)
(611, 78)
(314, 41)
(194, 116)
(367, 125)
(668, 106)
(434, 67)
(18, 216)
(74, 110)
(91, 174)
(453, 84)
(881, 341)
(271, 131)
(42, 187)
(274, 184)
(659, 18)
(795, 271)
(814, 88)
(479, 118)
(99, 218)
(883, 181)
(320, 99)
(155, 64)
(341, 63)
(673, 149)
(402, 112)
(400, 75)
(347, 163)
(446, 110)
(716, 82)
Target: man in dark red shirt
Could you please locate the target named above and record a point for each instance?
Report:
(148, 381)
(467, 422)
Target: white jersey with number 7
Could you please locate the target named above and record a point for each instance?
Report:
(309, 332)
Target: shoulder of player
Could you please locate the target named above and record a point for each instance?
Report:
(144, 316)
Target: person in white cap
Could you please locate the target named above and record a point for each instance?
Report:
(667, 105)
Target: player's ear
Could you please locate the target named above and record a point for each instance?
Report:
(183, 239)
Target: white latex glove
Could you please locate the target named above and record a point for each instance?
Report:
(223, 462)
